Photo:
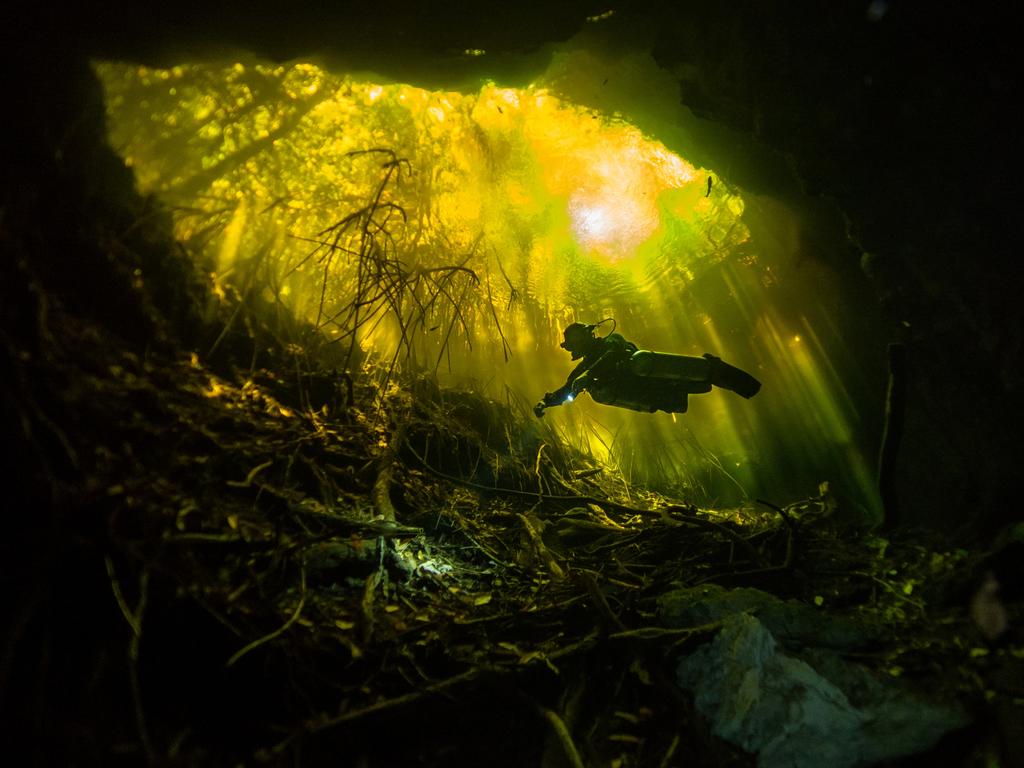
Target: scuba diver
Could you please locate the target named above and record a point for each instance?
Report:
(615, 372)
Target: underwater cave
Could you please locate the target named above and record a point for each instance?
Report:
(297, 473)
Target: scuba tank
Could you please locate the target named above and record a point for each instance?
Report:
(659, 365)
(707, 370)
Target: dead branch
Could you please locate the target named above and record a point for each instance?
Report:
(134, 619)
(564, 737)
(280, 630)
(398, 701)
(790, 528)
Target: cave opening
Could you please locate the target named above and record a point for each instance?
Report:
(500, 214)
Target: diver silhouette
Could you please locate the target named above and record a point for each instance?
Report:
(616, 372)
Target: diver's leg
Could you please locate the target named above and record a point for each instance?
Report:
(729, 377)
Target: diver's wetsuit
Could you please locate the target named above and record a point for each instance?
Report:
(601, 363)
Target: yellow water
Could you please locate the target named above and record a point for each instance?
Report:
(492, 217)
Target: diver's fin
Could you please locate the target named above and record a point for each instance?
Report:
(729, 377)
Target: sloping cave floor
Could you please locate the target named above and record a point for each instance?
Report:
(235, 566)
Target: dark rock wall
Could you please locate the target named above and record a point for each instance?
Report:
(902, 116)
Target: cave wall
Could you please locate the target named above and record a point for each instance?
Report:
(902, 117)
(898, 118)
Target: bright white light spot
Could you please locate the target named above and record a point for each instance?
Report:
(613, 223)
(591, 223)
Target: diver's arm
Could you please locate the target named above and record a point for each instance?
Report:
(563, 391)
(559, 396)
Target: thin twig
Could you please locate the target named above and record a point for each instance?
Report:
(657, 633)
(283, 628)
(134, 619)
(667, 759)
(397, 701)
(564, 737)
